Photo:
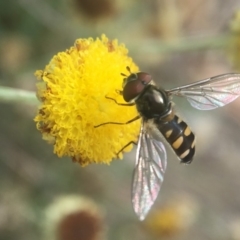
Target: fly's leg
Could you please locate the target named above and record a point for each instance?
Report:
(118, 123)
(121, 104)
(121, 150)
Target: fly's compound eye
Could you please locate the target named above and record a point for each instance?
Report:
(134, 84)
(145, 78)
(131, 77)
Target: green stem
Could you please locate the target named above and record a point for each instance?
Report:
(182, 45)
(8, 94)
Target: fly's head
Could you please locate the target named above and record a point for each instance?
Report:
(134, 84)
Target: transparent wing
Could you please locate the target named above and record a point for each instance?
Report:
(151, 162)
(210, 93)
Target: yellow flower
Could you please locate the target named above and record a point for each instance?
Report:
(173, 218)
(73, 91)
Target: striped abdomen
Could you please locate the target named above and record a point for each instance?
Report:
(180, 137)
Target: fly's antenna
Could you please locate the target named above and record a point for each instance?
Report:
(128, 69)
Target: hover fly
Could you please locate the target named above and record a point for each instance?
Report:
(159, 121)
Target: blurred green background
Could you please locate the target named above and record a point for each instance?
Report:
(199, 201)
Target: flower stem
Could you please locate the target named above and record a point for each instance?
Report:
(8, 94)
(157, 46)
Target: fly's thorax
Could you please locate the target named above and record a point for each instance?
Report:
(180, 137)
(153, 102)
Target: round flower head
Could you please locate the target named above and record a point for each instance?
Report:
(173, 218)
(73, 91)
(73, 217)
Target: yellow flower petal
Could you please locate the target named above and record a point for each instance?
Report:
(73, 92)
